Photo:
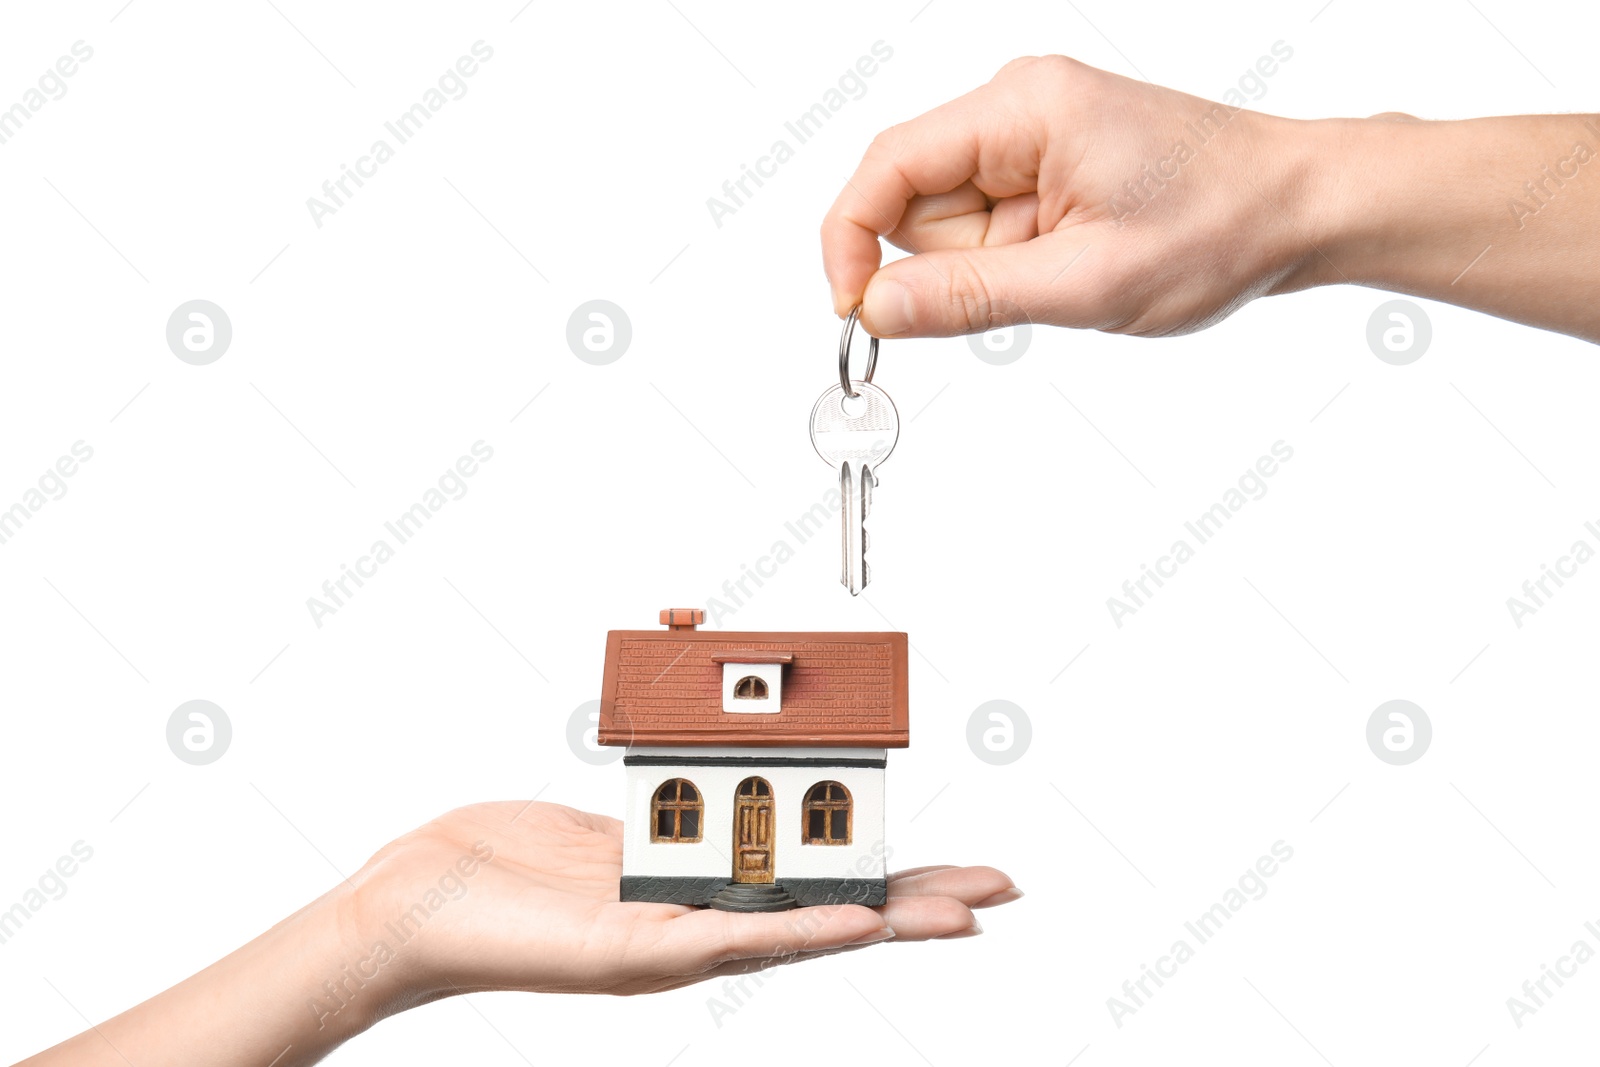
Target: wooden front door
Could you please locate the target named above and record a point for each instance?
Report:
(752, 832)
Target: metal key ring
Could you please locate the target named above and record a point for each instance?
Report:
(844, 354)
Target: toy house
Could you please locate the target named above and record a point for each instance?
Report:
(754, 762)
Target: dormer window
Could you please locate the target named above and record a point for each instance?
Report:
(752, 681)
(750, 688)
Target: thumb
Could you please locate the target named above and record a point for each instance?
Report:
(953, 291)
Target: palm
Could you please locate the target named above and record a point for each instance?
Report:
(542, 914)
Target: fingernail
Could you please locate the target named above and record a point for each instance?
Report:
(888, 308)
(972, 931)
(877, 935)
(1005, 896)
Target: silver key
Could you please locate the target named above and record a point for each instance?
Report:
(855, 436)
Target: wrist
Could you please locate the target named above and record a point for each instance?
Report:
(347, 975)
(398, 919)
(1327, 173)
(1397, 203)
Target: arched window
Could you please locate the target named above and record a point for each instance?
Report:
(827, 815)
(750, 688)
(676, 812)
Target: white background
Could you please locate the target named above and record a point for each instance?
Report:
(1218, 720)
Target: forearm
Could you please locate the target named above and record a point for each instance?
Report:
(1499, 214)
(263, 1004)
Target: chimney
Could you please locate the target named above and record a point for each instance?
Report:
(682, 618)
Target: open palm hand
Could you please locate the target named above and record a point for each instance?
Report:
(513, 895)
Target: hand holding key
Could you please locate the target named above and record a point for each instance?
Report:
(1014, 201)
(854, 427)
(1064, 195)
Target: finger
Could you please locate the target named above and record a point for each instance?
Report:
(969, 885)
(1054, 278)
(965, 218)
(930, 155)
(926, 918)
(957, 219)
(1005, 896)
(1013, 220)
(914, 871)
(703, 939)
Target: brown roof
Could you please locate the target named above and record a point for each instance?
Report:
(664, 687)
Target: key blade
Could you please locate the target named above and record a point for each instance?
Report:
(850, 519)
(869, 482)
(855, 485)
(844, 526)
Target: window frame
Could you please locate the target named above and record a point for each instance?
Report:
(677, 806)
(759, 690)
(828, 804)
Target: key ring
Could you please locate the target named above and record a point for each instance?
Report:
(844, 354)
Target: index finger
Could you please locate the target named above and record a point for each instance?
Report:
(931, 154)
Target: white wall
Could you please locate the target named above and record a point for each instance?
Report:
(713, 853)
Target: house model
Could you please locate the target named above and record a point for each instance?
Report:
(754, 761)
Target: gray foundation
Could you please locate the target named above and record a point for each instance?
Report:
(807, 892)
